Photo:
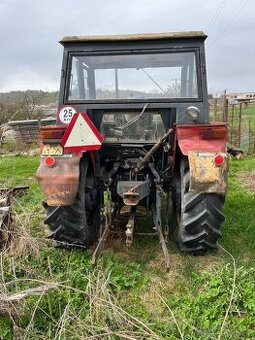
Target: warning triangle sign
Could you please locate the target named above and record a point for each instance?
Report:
(81, 134)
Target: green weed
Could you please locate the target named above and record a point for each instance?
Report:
(127, 295)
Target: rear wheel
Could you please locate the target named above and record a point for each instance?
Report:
(77, 224)
(199, 216)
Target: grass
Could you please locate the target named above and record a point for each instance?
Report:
(128, 295)
(238, 229)
(17, 170)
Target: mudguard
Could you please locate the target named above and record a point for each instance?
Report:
(201, 143)
(202, 137)
(60, 182)
(63, 147)
(205, 175)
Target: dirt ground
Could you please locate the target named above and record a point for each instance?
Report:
(247, 180)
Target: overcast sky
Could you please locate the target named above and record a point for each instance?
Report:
(30, 56)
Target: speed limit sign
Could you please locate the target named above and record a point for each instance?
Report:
(65, 115)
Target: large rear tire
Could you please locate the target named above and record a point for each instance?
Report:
(77, 224)
(199, 216)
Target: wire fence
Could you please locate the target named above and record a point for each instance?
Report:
(240, 117)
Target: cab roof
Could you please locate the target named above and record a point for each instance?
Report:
(134, 37)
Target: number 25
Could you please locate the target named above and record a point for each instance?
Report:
(68, 113)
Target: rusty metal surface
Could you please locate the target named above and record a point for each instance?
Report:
(133, 191)
(130, 229)
(151, 152)
(164, 249)
(205, 176)
(131, 198)
(60, 183)
(156, 213)
(135, 37)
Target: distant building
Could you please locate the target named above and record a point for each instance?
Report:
(237, 97)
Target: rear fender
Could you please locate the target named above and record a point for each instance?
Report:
(202, 137)
(201, 143)
(205, 175)
(59, 183)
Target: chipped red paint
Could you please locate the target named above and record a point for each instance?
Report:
(202, 137)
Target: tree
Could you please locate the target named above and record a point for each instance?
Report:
(20, 105)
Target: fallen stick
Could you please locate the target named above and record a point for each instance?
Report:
(28, 292)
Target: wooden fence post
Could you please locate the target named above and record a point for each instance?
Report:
(250, 137)
(225, 107)
(214, 109)
(232, 124)
(225, 110)
(239, 125)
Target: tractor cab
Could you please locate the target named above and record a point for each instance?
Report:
(120, 74)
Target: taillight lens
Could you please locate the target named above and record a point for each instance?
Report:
(218, 160)
(52, 132)
(49, 161)
(214, 133)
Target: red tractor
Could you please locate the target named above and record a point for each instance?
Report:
(133, 127)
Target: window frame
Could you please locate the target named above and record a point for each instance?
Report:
(195, 50)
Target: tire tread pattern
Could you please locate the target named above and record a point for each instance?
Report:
(76, 224)
(198, 229)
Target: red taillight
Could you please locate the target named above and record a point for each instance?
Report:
(52, 132)
(218, 160)
(49, 161)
